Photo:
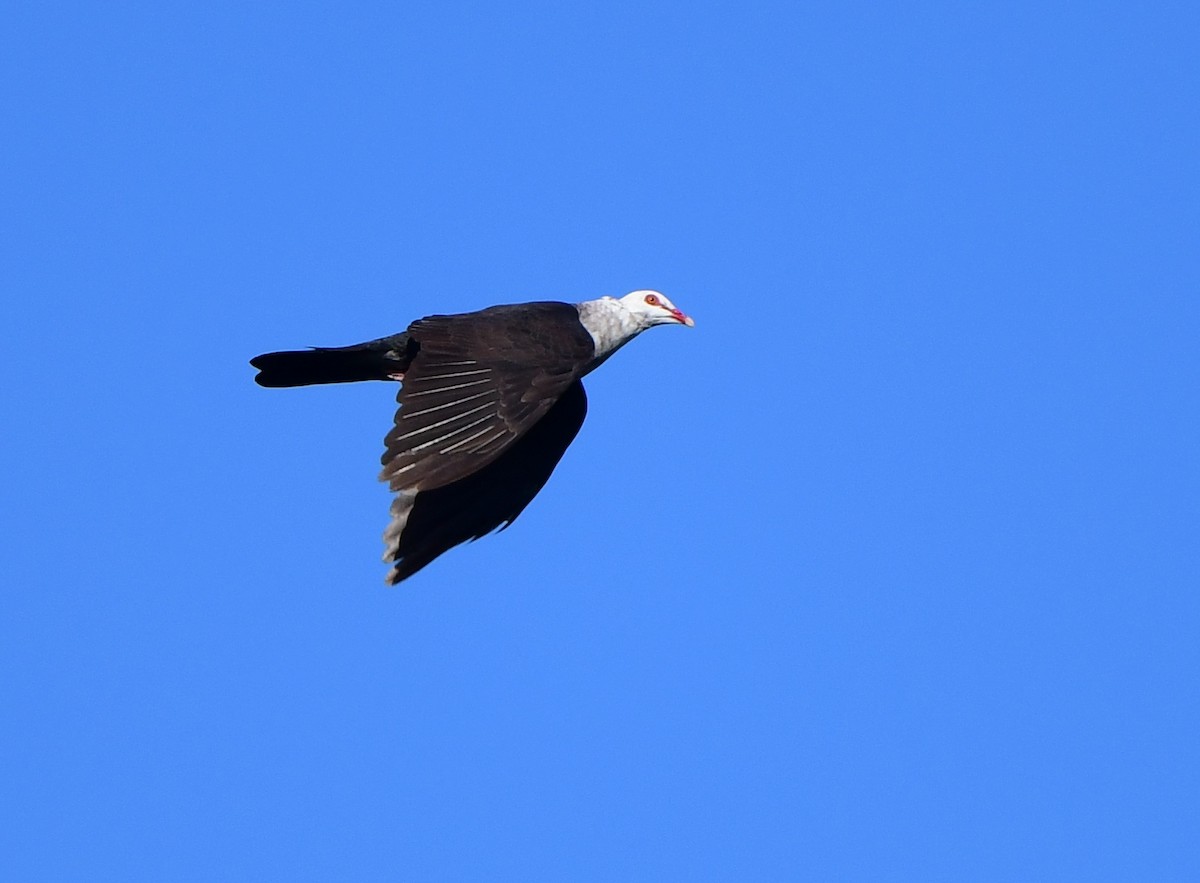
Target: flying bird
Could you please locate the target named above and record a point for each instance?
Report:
(489, 402)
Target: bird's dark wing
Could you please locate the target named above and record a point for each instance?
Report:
(430, 522)
(477, 383)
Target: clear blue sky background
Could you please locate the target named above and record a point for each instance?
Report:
(887, 570)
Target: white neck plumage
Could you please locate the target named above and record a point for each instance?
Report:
(611, 326)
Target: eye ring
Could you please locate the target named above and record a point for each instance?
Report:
(652, 300)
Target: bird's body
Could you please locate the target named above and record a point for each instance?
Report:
(489, 403)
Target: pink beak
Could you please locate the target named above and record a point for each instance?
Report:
(682, 319)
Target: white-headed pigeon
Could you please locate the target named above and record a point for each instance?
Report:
(489, 403)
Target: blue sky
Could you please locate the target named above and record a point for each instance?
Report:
(887, 570)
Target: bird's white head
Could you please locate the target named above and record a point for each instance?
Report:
(651, 308)
(614, 321)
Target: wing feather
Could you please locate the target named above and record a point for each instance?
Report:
(428, 523)
(477, 383)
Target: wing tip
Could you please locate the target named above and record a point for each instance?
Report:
(401, 508)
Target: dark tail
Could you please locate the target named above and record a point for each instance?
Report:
(379, 359)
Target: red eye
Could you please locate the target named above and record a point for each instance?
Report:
(652, 300)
